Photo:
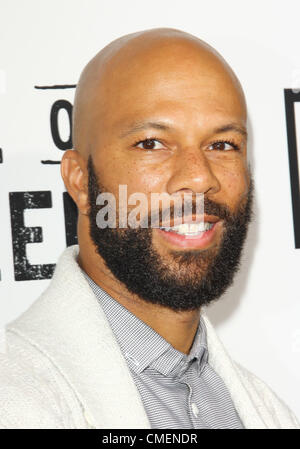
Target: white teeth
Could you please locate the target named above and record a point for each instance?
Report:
(189, 228)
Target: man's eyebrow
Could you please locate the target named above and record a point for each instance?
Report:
(140, 126)
(231, 127)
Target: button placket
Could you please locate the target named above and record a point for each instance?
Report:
(194, 410)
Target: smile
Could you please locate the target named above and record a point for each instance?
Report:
(189, 229)
(190, 235)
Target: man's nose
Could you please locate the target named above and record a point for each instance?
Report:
(193, 171)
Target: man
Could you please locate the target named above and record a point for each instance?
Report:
(120, 339)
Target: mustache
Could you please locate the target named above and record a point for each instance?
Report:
(210, 208)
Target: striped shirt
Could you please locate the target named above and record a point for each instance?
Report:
(178, 391)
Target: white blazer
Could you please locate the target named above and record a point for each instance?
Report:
(64, 369)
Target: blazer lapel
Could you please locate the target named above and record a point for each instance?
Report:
(70, 328)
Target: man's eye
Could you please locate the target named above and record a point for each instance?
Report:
(223, 146)
(149, 144)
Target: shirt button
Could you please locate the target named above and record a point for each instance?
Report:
(195, 409)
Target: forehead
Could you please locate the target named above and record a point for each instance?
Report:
(177, 83)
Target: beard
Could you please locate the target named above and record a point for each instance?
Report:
(181, 280)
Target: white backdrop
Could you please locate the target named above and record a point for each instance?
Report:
(49, 42)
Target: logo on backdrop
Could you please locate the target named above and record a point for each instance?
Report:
(20, 201)
(292, 97)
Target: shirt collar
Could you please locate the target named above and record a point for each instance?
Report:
(142, 346)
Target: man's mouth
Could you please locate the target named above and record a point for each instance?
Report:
(189, 229)
(193, 234)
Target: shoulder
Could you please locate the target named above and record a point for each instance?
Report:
(31, 392)
(269, 400)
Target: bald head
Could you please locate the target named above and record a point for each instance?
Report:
(133, 68)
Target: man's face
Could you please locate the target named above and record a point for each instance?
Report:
(168, 129)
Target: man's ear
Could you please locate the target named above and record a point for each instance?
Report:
(74, 173)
